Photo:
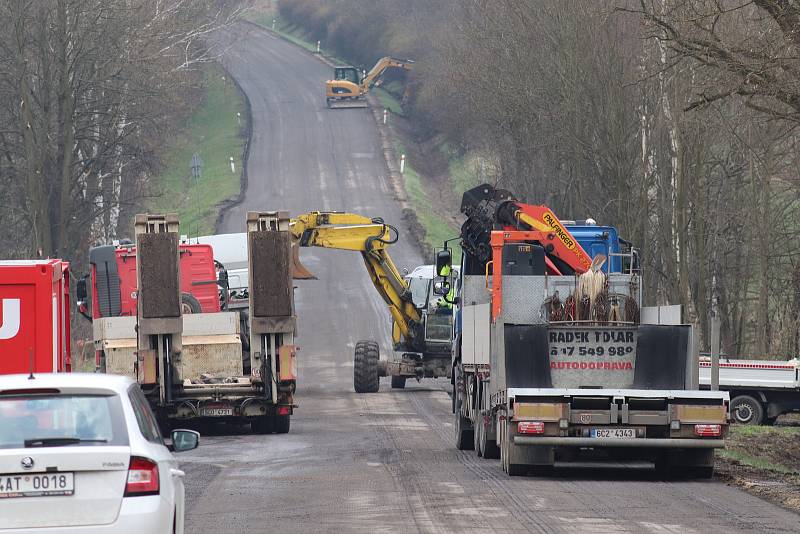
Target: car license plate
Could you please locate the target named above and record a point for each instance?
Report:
(216, 412)
(613, 433)
(36, 485)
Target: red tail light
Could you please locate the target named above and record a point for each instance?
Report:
(284, 410)
(142, 477)
(530, 427)
(708, 430)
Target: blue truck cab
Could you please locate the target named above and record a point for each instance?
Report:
(603, 240)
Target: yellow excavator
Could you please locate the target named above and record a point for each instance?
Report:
(350, 85)
(422, 323)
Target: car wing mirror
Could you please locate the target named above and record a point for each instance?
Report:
(184, 440)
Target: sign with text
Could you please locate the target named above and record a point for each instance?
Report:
(592, 356)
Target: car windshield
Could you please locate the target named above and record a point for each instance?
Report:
(61, 420)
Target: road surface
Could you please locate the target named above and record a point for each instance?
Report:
(386, 462)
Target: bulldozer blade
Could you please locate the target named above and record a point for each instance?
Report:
(344, 104)
(299, 271)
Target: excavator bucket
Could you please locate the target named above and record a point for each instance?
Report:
(299, 271)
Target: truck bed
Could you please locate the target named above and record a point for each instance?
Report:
(766, 374)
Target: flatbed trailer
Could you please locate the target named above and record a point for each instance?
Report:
(760, 390)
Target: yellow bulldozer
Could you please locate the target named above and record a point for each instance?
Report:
(350, 85)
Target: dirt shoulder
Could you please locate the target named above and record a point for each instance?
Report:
(764, 461)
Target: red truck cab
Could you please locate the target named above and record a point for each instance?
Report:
(114, 284)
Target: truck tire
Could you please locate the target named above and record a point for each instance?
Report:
(511, 469)
(398, 382)
(684, 465)
(189, 304)
(262, 424)
(281, 424)
(365, 367)
(465, 439)
(746, 410)
(490, 449)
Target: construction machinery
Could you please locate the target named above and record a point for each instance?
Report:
(350, 85)
(421, 325)
(223, 363)
(551, 360)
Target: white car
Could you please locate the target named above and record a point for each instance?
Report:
(82, 453)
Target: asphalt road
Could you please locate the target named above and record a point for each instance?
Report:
(385, 462)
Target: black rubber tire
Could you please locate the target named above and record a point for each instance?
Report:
(262, 424)
(365, 367)
(746, 410)
(477, 431)
(398, 382)
(281, 424)
(465, 439)
(698, 472)
(189, 304)
(490, 449)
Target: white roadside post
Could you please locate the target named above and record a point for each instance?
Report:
(273, 24)
(233, 166)
(318, 46)
(385, 115)
(239, 118)
(402, 163)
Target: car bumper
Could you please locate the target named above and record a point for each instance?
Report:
(138, 515)
(662, 443)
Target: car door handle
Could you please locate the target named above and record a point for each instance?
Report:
(177, 473)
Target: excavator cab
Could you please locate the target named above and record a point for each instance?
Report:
(348, 74)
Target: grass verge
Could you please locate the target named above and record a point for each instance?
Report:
(766, 448)
(214, 132)
(436, 230)
(291, 33)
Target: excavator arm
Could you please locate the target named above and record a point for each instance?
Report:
(381, 66)
(370, 237)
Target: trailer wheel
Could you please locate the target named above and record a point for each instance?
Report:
(512, 470)
(189, 304)
(281, 424)
(465, 439)
(490, 449)
(262, 424)
(365, 367)
(747, 411)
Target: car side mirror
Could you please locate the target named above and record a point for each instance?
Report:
(444, 262)
(184, 440)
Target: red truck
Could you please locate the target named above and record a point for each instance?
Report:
(34, 326)
(113, 281)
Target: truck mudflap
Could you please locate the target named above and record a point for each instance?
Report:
(659, 443)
